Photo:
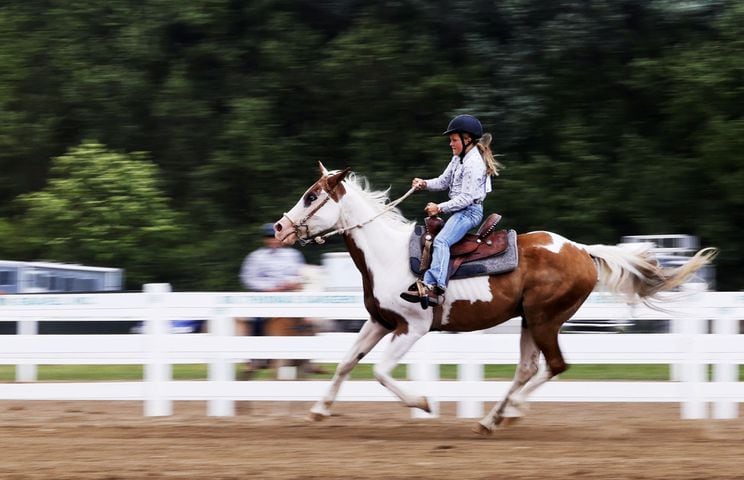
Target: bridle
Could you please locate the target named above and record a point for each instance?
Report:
(304, 238)
(297, 228)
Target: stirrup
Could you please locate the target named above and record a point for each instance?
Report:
(416, 291)
(422, 293)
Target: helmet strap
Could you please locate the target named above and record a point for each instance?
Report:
(464, 147)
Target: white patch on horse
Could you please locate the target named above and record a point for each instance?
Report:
(557, 242)
(475, 289)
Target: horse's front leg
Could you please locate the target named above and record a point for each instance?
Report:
(398, 347)
(369, 335)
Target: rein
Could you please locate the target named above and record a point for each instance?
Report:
(321, 239)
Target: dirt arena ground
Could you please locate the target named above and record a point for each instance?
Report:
(113, 441)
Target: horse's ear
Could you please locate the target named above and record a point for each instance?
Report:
(337, 178)
(323, 169)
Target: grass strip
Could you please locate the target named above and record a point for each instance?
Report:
(90, 373)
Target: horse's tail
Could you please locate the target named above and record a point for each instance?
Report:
(638, 275)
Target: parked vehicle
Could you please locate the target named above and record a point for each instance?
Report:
(48, 277)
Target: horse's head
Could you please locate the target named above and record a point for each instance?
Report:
(317, 210)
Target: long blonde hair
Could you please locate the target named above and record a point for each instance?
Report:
(484, 147)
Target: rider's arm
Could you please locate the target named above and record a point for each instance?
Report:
(471, 188)
(443, 181)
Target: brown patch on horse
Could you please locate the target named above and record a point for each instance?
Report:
(545, 300)
(567, 278)
(466, 315)
(551, 286)
(333, 186)
(385, 317)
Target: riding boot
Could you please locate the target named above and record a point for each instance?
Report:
(435, 295)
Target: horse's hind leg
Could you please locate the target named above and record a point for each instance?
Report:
(369, 335)
(511, 406)
(545, 339)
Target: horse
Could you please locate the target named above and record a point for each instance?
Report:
(553, 278)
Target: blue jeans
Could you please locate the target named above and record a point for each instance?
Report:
(460, 223)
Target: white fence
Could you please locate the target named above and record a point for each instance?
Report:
(690, 349)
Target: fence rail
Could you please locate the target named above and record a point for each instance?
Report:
(690, 349)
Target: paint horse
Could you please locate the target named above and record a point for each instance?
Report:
(553, 278)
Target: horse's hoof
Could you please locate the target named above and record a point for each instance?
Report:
(424, 405)
(481, 429)
(315, 417)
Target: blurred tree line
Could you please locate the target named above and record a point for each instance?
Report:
(158, 135)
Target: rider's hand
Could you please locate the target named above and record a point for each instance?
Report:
(418, 184)
(432, 209)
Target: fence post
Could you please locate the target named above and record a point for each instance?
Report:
(158, 368)
(694, 373)
(726, 324)
(27, 372)
(676, 370)
(221, 369)
(470, 372)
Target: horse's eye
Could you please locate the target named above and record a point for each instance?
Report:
(310, 198)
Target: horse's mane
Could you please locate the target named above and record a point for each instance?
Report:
(378, 200)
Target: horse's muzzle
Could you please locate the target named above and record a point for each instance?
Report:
(285, 230)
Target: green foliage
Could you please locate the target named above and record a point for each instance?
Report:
(102, 208)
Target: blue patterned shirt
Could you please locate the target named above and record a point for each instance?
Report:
(466, 180)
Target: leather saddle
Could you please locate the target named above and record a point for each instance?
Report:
(486, 242)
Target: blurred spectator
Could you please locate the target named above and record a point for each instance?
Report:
(275, 268)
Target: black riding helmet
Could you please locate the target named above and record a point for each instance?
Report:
(465, 124)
